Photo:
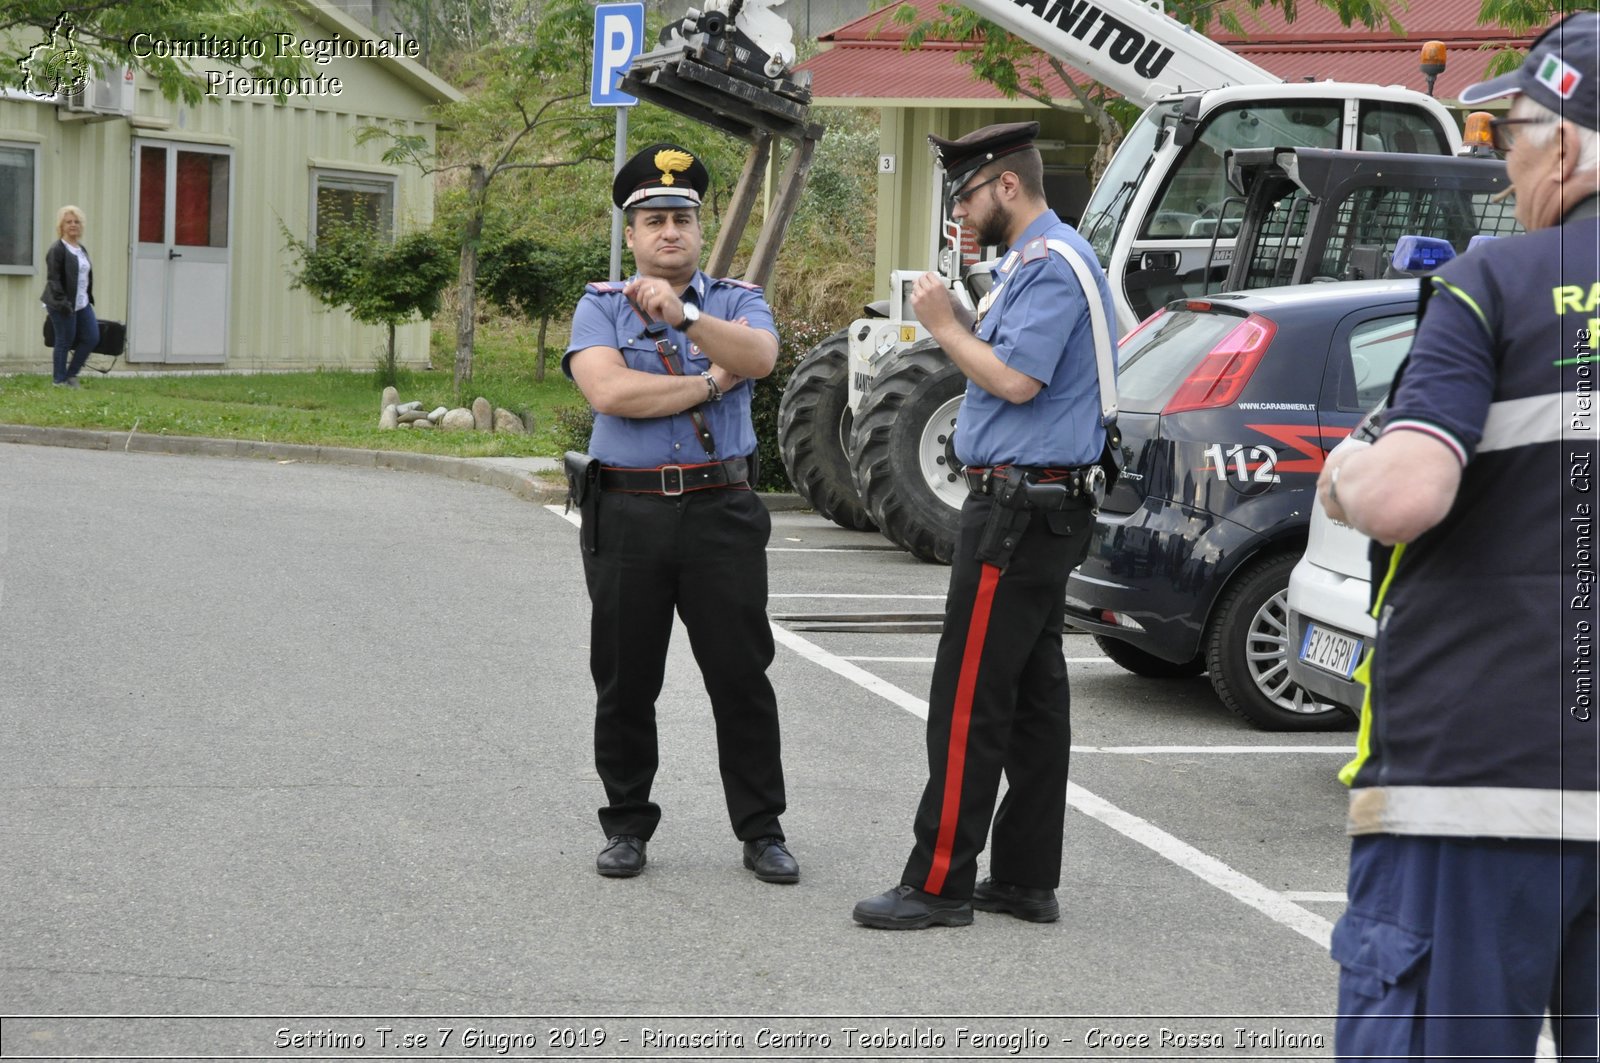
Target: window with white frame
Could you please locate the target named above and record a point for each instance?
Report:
(345, 198)
(19, 206)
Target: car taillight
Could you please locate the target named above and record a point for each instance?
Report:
(1226, 368)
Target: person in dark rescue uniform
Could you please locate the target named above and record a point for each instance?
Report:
(666, 360)
(1029, 433)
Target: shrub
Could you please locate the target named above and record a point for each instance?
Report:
(796, 337)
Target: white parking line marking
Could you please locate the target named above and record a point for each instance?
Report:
(1139, 751)
(1241, 887)
(1314, 897)
(833, 549)
(891, 597)
(859, 676)
(1209, 869)
(891, 660)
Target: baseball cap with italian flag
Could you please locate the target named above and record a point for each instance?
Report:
(1561, 73)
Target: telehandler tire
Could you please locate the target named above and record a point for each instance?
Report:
(814, 424)
(899, 447)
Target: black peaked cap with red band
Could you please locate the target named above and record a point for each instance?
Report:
(662, 175)
(967, 155)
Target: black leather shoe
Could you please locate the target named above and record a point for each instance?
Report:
(908, 908)
(770, 859)
(623, 857)
(1035, 904)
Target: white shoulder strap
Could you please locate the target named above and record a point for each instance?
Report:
(1105, 353)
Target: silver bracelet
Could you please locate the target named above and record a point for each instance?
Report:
(713, 393)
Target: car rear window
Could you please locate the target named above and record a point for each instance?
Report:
(1158, 358)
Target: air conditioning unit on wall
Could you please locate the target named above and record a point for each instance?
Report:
(107, 94)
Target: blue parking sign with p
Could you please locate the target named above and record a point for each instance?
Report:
(618, 34)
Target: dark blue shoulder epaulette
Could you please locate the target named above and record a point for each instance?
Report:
(604, 287)
(1035, 249)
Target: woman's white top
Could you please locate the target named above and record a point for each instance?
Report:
(82, 299)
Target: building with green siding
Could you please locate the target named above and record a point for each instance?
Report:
(186, 204)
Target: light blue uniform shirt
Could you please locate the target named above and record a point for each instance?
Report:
(1038, 324)
(605, 318)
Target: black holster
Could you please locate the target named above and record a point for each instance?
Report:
(1009, 517)
(583, 491)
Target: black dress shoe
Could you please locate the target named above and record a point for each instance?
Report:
(1035, 904)
(908, 908)
(770, 859)
(622, 857)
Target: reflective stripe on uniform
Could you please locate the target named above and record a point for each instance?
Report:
(1363, 675)
(1467, 300)
(1535, 419)
(960, 719)
(1476, 811)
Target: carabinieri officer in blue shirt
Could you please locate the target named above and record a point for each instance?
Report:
(1030, 435)
(666, 361)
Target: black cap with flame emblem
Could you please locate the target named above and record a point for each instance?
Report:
(662, 175)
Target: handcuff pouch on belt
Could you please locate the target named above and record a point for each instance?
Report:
(583, 491)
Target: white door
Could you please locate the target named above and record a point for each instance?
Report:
(182, 222)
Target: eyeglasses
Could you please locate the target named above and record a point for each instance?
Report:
(1501, 134)
(959, 198)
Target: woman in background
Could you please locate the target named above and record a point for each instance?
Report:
(69, 297)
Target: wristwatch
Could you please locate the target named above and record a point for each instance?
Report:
(691, 314)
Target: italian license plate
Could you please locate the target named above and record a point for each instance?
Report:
(1330, 650)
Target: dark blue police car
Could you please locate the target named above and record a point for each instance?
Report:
(1229, 404)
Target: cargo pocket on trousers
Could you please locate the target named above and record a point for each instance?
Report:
(1377, 957)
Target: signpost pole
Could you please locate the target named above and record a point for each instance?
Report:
(618, 31)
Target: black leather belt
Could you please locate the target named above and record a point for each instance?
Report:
(676, 479)
(982, 479)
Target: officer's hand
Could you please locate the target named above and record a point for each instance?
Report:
(656, 298)
(932, 301)
(726, 381)
(1325, 496)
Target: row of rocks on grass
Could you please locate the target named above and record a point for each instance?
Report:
(481, 417)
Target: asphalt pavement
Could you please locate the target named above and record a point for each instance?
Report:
(298, 764)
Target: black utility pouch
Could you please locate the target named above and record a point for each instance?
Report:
(1008, 519)
(1111, 457)
(583, 491)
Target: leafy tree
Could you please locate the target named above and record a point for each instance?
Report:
(540, 280)
(67, 39)
(530, 111)
(350, 266)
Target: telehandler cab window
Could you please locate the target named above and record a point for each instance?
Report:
(1192, 201)
(1102, 218)
(1400, 127)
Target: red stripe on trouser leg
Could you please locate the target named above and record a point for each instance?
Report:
(960, 719)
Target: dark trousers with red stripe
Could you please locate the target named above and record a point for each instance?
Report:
(999, 703)
(702, 554)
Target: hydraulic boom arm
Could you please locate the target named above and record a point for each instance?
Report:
(1129, 46)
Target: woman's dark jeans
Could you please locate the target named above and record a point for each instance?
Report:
(78, 332)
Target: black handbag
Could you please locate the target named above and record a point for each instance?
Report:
(113, 339)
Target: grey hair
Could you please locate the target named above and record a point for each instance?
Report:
(1541, 134)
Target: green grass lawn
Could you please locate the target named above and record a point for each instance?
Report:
(329, 408)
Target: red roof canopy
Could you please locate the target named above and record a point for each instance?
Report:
(866, 60)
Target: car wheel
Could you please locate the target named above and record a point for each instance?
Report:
(1247, 653)
(1148, 665)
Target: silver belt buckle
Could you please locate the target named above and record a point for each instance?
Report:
(666, 489)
